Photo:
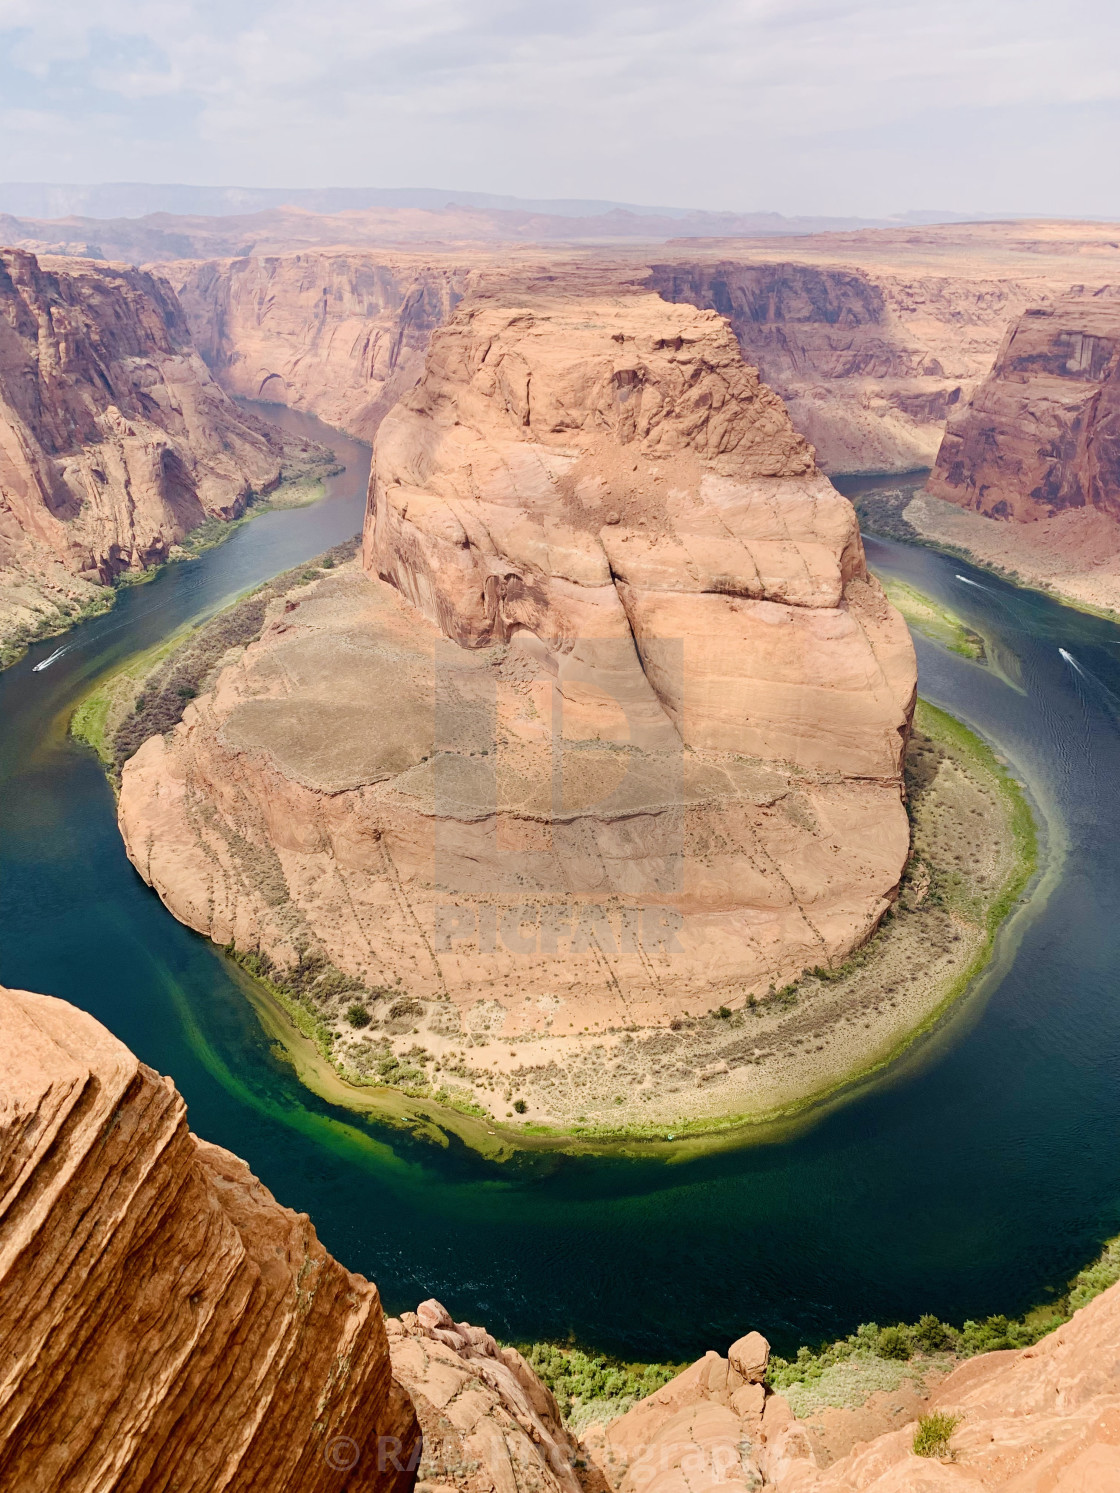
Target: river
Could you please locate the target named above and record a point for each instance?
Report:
(980, 1173)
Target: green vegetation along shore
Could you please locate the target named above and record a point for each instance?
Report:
(592, 1387)
(297, 491)
(974, 849)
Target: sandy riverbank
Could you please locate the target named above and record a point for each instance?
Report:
(713, 1066)
(974, 850)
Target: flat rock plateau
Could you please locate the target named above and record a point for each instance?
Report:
(166, 1324)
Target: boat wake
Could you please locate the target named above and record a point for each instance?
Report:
(964, 580)
(1069, 658)
(46, 663)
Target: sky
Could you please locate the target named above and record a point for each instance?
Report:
(822, 107)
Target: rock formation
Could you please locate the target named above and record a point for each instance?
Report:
(1042, 1420)
(164, 1322)
(870, 359)
(1042, 432)
(115, 440)
(339, 333)
(621, 738)
(489, 1424)
(871, 338)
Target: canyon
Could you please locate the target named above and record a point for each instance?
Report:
(610, 731)
(550, 682)
(167, 1324)
(872, 338)
(115, 439)
(339, 333)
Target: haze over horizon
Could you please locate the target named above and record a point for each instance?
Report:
(847, 108)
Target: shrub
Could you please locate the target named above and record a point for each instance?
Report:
(520, 1106)
(358, 1016)
(931, 1439)
(723, 1013)
(579, 1378)
(933, 1335)
(894, 1342)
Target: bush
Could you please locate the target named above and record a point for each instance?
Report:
(358, 1016)
(894, 1342)
(578, 1378)
(931, 1439)
(934, 1336)
(520, 1106)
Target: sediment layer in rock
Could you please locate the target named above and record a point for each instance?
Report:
(115, 440)
(872, 338)
(164, 1323)
(1042, 432)
(869, 359)
(339, 333)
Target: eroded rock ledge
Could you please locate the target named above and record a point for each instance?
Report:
(165, 1323)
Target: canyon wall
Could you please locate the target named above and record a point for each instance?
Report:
(611, 732)
(870, 359)
(339, 333)
(164, 1322)
(1041, 434)
(115, 440)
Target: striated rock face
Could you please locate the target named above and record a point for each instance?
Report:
(164, 1322)
(870, 359)
(114, 438)
(1042, 432)
(489, 1424)
(339, 333)
(620, 739)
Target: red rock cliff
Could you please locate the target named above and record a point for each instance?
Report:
(340, 333)
(115, 440)
(1042, 432)
(870, 359)
(164, 1323)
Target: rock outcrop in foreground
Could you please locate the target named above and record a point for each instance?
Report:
(612, 732)
(164, 1323)
(1043, 1420)
(1041, 434)
(115, 440)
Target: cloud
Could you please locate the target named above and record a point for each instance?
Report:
(802, 105)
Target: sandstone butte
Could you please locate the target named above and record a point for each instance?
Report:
(165, 1323)
(115, 439)
(612, 729)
